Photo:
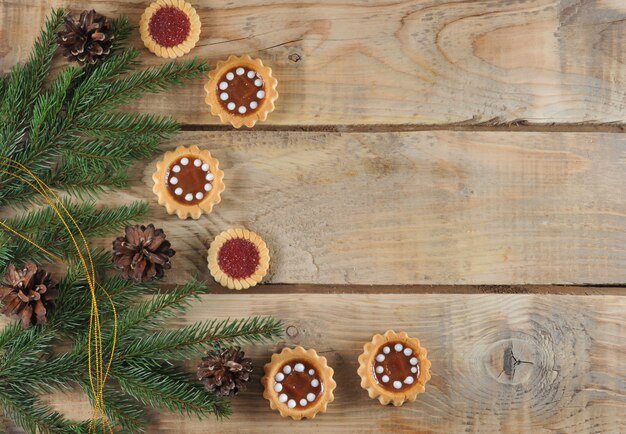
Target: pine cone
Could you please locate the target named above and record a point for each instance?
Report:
(225, 372)
(143, 253)
(87, 39)
(28, 294)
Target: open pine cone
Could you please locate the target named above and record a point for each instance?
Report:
(143, 254)
(87, 39)
(225, 372)
(28, 294)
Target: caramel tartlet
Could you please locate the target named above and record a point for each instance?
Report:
(393, 368)
(238, 258)
(241, 91)
(188, 182)
(170, 28)
(298, 383)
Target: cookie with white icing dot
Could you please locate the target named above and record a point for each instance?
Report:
(238, 258)
(298, 383)
(393, 368)
(241, 91)
(188, 182)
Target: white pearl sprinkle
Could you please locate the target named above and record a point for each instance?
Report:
(408, 380)
(414, 369)
(197, 162)
(291, 403)
(397, 384)
(385, 378)
(173, 180)
(223, 85)
(254, 105)
(231, 106)
(184, 161)
(303, 402)
(230, 76)
(240, 71)
(398, 347)
(311, 371)
(315, 383)
(242, 109)
(413, 361)
(223, 96)
(209, 177)
(282, 398)
(310, 397)
(251, 74)
(386, 350)
(205, 167)
(379, 369)
(299, 367)
(278, 387)
(258, 82)
(280, 376)
(408, 351)
(176, 169)
(199, 195)
(380, 358)
(287, 369)
(178, 191)
(260, 94)
(189, 197)
(208, 187)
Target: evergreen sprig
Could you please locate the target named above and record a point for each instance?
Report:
(69, 133)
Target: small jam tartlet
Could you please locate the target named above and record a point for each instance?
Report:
(170, 28)
(238, 258)
(188, 182)
(241, 91)
(393, 368)
(298, 383)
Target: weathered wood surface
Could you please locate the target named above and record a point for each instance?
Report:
(501, 363)
(413, 208)
(383, 62)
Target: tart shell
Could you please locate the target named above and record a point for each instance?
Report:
(366, 360)
(265, 108)
(178, 50)
(243, 283)
(321, 366)
(205, 206)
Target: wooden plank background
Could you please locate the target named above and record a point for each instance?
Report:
(441, 149)
(406, 62)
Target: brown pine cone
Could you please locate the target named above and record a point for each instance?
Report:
(87, 39)
(225, 372)
(28, 294)
(143, 254)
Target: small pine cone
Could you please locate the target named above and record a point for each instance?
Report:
(225, 372)
(28, 294)
(87, 39)
(143, 253)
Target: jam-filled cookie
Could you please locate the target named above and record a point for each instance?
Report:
(188, 182)
(393, 368)
(298, 383)
(238, 258)
(170, 28)
(241, 91)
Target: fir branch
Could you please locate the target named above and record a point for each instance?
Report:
(170, 389)
(153, 312)
(30, 413)
(186, 342)
(131, 127)
(121, 409)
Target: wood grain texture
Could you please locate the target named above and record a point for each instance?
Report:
(384, 62)
(501, 363)
(412, 208)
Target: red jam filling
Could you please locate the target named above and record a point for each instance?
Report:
(238, 258)
(169, 26)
